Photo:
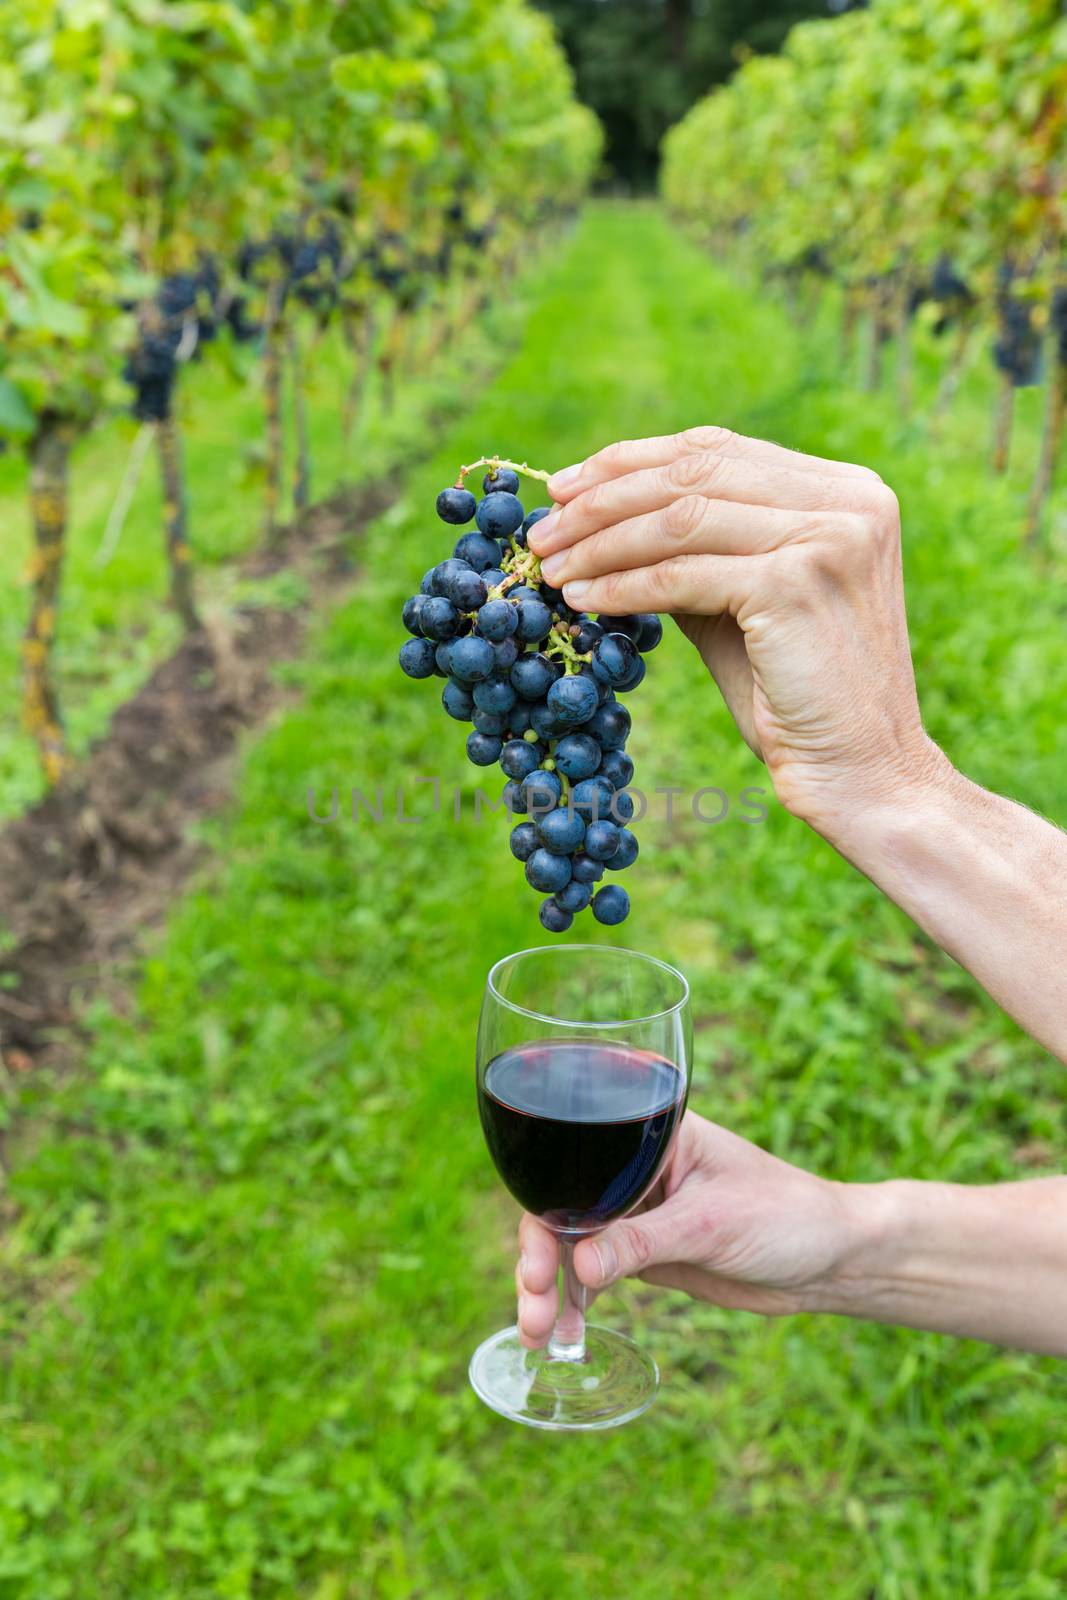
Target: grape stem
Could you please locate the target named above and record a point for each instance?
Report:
(496, 462)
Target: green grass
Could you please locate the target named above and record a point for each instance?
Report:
(257, 1233)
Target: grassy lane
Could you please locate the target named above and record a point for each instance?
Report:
(259, 1236)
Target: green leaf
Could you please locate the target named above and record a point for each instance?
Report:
(16, 418)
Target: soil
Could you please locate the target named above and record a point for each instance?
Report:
(99, 858)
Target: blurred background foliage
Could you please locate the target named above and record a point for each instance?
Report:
(640, 64)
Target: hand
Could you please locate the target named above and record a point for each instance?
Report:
(726, 1222)
(785, 572)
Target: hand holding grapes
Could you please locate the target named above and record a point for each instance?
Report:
(784, 570)
(726, 1222)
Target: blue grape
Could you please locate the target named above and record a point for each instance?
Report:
(524, 841)
(497, 620)
(621, 805)
(498, 515)
(465, 590)
(614, 658)
(478, 552)
(576, 896)
(533, 676)
(519, 718)
(541, 791)
(601, 840)
(626, 854)
(417, 658)
(518, 758)
(495, 694)
(633, 679)
(611, 905)
(483, 749)
(585, 869)
(471, 661)
(456, 506)
(492, 577)
(502, 481)
(617, 767)
(578, 756)
(443, 571)
(561, 830)
(410, 615)
(489, 722)
(651, 631)
(589, 632)
(426, 586)
(535, 620)
(591, 797)
(443, 657)
(553, 916)
(545, 722)
(507, 653)
(457, 701)
(629, 625)
(439, 619)
(514, 798)
(573, 699)
(610, 725)
(547, 871)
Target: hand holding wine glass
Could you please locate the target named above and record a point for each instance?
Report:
(725, 1222)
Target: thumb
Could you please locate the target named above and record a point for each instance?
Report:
(626, 1248)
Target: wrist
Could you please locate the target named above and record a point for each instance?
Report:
(869, 813)
(869, 1263)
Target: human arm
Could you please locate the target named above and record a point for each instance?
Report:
(733, 1225)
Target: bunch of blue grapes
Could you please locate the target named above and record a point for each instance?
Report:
(540, 683)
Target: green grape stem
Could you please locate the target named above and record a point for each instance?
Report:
(495, 463)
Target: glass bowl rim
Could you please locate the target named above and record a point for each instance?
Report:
(573, 949)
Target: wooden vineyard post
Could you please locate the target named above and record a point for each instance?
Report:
(175, 523)
(1003, 415)
(905, 354)
(302, 466)
(358, 331)
(272, 402)
(1055, 412)
(49, 460)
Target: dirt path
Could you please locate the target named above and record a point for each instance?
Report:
(98, 860)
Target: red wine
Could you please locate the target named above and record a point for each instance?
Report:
(578, 1130)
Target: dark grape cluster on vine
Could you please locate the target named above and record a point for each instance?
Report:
(185, 308)
(539, 683)
(1017, 349)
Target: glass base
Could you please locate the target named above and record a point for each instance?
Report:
(611, 1384)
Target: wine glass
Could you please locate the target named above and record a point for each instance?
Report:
(584, 1056)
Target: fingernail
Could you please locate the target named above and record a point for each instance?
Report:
(552, 566)
(605, 1254)
(563, 479)
(541, 530)
(575, 591)
(522, 1265)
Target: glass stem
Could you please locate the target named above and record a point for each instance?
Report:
(568, 1336)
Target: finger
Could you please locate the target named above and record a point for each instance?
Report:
(748, 481)
(630, 1247)
(693, 525)
(539, 1255)
(536, 1310)
(703, 585)
(636, 455)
